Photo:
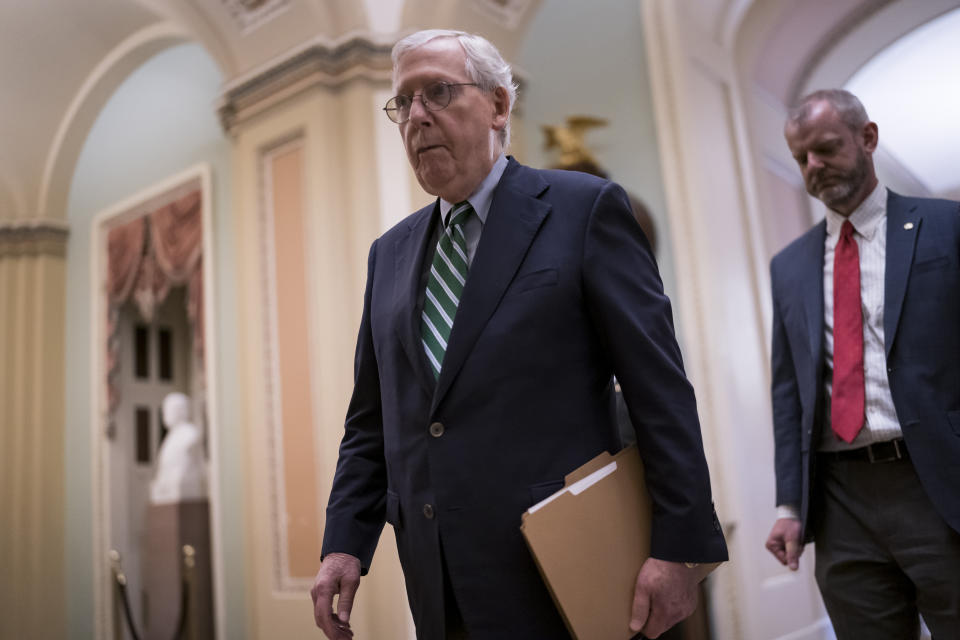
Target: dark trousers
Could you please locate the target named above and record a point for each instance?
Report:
(883, 553)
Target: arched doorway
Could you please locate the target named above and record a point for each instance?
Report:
(142, 143)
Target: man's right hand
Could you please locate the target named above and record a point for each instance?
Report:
(339, 574)
(784, 542)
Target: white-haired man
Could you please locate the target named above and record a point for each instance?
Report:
(494, 320)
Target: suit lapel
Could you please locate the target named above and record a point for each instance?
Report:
(513, 220)
(901, 242)
(811, 290)
(409, 252)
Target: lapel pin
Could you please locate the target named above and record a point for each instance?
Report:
(908, 226)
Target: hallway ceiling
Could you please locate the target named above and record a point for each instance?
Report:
(911, 90)
(50, 48)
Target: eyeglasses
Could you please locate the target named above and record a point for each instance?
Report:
(435, 97)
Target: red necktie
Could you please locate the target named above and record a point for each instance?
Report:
(847, 403)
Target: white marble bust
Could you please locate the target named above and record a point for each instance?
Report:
(181, 473)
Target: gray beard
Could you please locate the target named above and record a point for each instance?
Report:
(841, 193)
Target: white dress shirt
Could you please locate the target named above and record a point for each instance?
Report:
(870, 232)
(869, 222)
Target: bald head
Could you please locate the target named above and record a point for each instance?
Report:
(847, 106)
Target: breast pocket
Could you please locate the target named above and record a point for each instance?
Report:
(935, 263)
(534, 280)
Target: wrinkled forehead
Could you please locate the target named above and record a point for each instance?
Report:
(439, 59)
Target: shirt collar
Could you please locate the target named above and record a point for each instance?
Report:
(865, 217)
(482, 196)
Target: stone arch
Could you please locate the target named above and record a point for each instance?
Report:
(856, 43)
(13, 204)
(837, 44)
(87, 104)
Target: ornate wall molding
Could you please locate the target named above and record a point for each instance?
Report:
(295, 514)
(319, 64)
(250, 14)
(508, 13)
(43, 237)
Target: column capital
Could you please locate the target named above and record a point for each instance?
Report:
(34, 237)
(320, 63)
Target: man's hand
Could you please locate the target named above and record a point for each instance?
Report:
(666, 593)
(784, 542)
(339, 574)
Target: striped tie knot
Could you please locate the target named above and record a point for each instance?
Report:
(459, 214)
(448, 276)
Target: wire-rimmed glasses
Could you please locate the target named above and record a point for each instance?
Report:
(435, 97)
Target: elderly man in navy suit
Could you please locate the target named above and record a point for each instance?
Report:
(494, 321)
(866, 386)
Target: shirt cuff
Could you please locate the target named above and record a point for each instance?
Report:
(787, 511)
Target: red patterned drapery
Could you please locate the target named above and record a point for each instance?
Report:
(146, 258)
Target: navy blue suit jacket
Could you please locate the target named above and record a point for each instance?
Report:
(921, 318)
(563, 292)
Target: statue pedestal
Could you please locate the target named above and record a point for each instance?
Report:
(168, 528)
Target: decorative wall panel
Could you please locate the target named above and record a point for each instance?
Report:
(294, 500)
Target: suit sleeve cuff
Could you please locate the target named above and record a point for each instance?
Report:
(699, 539)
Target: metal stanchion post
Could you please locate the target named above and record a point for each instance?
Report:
(116, 577)
(120, 591)
(189, 593)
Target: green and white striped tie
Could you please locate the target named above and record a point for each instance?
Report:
(448, 274)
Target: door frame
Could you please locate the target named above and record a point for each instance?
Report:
(129, 209)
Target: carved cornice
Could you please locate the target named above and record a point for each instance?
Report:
(508, 13)
(33, 238)
(250, 14)
(325, 65)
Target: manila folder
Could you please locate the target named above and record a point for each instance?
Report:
(589, 540)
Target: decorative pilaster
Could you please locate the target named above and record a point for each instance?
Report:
(309, 181)
(32, 304)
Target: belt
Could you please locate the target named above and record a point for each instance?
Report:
(877, 452)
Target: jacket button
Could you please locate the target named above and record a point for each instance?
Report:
(436, 429)
(428, 511)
